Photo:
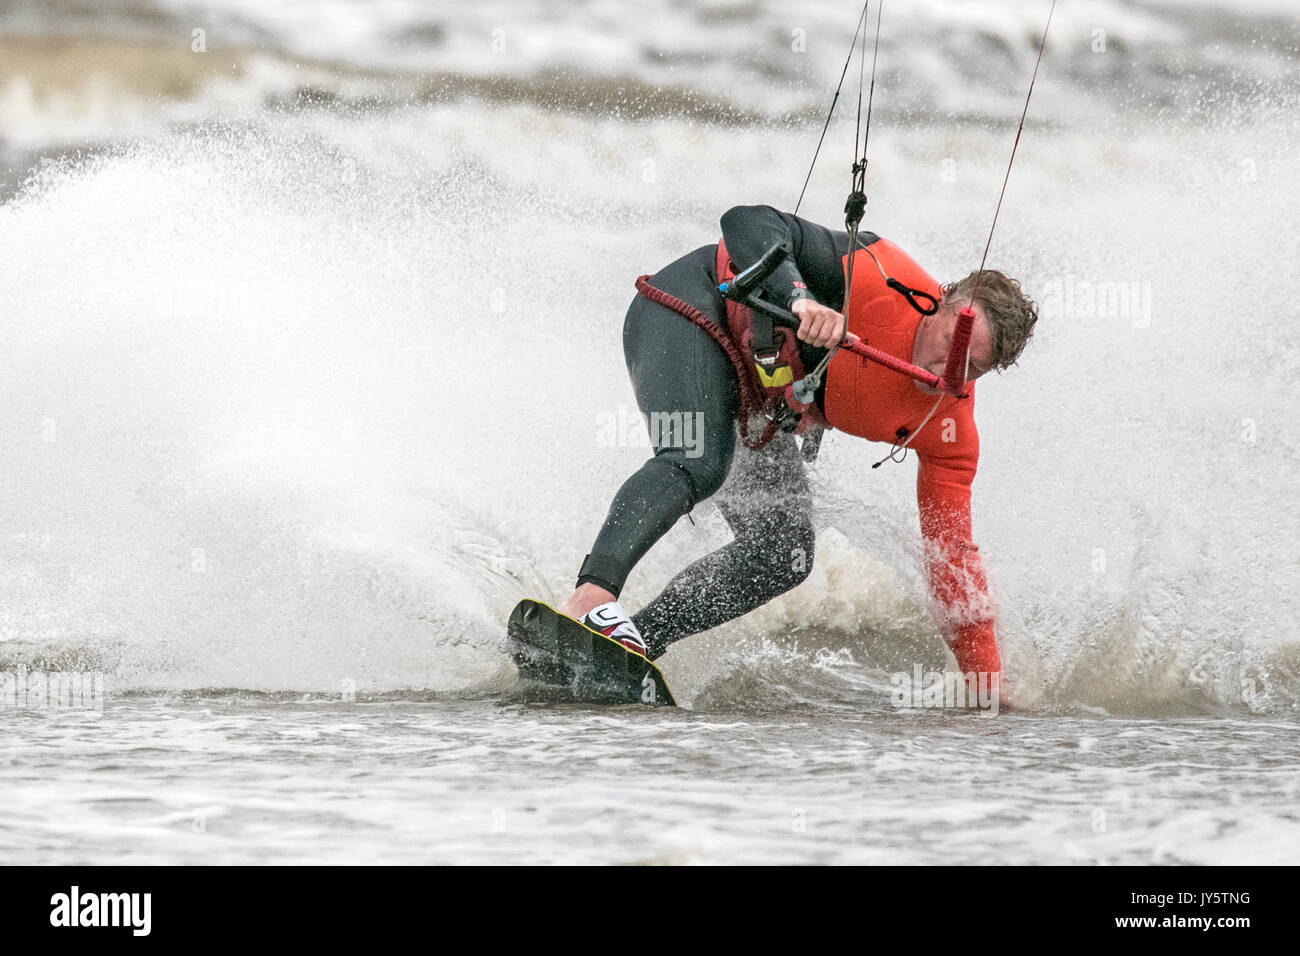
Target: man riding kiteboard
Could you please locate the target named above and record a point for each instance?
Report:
(683, 375)
(880, 351)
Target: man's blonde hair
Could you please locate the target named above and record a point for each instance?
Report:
(1012, 314)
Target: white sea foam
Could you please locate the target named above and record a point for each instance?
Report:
(302, 400)
(307, 401)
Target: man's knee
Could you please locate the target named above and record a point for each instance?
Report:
(796, 555)
(780, 555)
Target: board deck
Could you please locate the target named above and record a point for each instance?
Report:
(572, 662)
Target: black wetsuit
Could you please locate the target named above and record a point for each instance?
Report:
(686, 383)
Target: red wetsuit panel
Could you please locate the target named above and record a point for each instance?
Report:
(868, 400)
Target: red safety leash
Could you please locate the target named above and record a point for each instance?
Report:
(751, 402)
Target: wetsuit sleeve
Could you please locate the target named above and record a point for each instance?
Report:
(953, 564)
(815, 268)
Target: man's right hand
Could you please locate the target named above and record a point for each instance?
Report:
(818, 325)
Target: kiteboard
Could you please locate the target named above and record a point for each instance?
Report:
(571, 662)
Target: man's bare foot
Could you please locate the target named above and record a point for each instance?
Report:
(584, 599)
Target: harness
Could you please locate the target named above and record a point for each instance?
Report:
(776, 364)
(764, 357)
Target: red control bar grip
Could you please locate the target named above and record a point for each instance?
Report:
(954, 372)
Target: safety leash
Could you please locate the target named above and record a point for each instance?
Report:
(750, 401)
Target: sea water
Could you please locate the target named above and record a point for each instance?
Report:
(312, 337)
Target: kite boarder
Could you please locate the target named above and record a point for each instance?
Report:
(703, 398)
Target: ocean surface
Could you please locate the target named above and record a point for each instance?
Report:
(312, 318)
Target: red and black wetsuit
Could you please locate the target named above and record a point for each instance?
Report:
(678, 372)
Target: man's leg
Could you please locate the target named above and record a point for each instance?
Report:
(768, 505)
(687, 390)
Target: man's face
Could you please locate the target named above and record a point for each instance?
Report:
(934, 336)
